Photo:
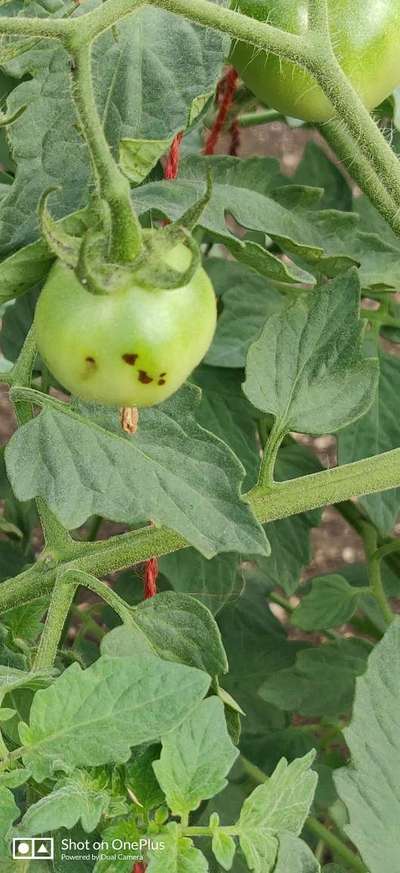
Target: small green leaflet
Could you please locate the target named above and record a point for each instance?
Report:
(196, 758)
(331, 602)
(370, 785)
(178, 856)
(79, 797)
(8, 813)
(223, 845)
(306, 368)
(322, 681)
(280, 805)
(94, 716)
(196, 479)
(177, 627)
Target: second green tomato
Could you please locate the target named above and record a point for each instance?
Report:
(365, 38)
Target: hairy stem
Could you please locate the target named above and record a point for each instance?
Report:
(60, 605)
(126, 236)
(266, 477)
(362, 172)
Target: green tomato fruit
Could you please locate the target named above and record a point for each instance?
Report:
(132, 347)
(365, 37)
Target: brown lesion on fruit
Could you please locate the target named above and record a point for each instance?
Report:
(130, 358)
(162, 380)
(90, 360)
(144, 377)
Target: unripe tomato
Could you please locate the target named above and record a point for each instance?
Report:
(365, 38)
(132, 347)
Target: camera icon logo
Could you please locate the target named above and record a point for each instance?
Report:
(32, 848)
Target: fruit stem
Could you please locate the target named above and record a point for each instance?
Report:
(126, 234)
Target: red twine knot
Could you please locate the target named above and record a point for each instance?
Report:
(150, 578)
(225, 95)
(174, 155)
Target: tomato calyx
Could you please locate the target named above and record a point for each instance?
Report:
(88, 255)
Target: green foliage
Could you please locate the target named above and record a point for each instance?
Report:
(279, 806)
(79, 720)
(369, 786)
(156, 453)
(306, 368)
(197, 711)
(195, 758)
(331, 602)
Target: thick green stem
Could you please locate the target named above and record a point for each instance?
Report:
(126, 236)
(378, 473)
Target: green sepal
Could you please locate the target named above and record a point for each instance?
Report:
(61, 244)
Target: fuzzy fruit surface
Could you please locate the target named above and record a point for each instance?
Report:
(365, 38)
(132, 347)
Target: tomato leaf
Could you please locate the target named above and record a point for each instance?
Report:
(94, 716)
(177, 627)
(247, 302)
(196, 758)
(369, 785)
(195, 478)
(213, 582)
(331, 602)
(280, 805)
(321, 682)
(147, 50)
(8, 813)
(307, 369)
(79, 797)
(377, 431)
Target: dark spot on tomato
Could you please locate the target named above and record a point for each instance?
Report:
(161, 382)
(130, 359)
(162, 375)
(144, 377)
(90, 360)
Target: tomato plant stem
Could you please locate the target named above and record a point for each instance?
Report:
(373, 554)
(126, 237)
(266, 477)
(361, 171)
(255, 119)
(60, 605)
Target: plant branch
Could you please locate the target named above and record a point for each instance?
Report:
(60, 605)
(126, 235)
(255, 119)
(373, 554)
(275, 438)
